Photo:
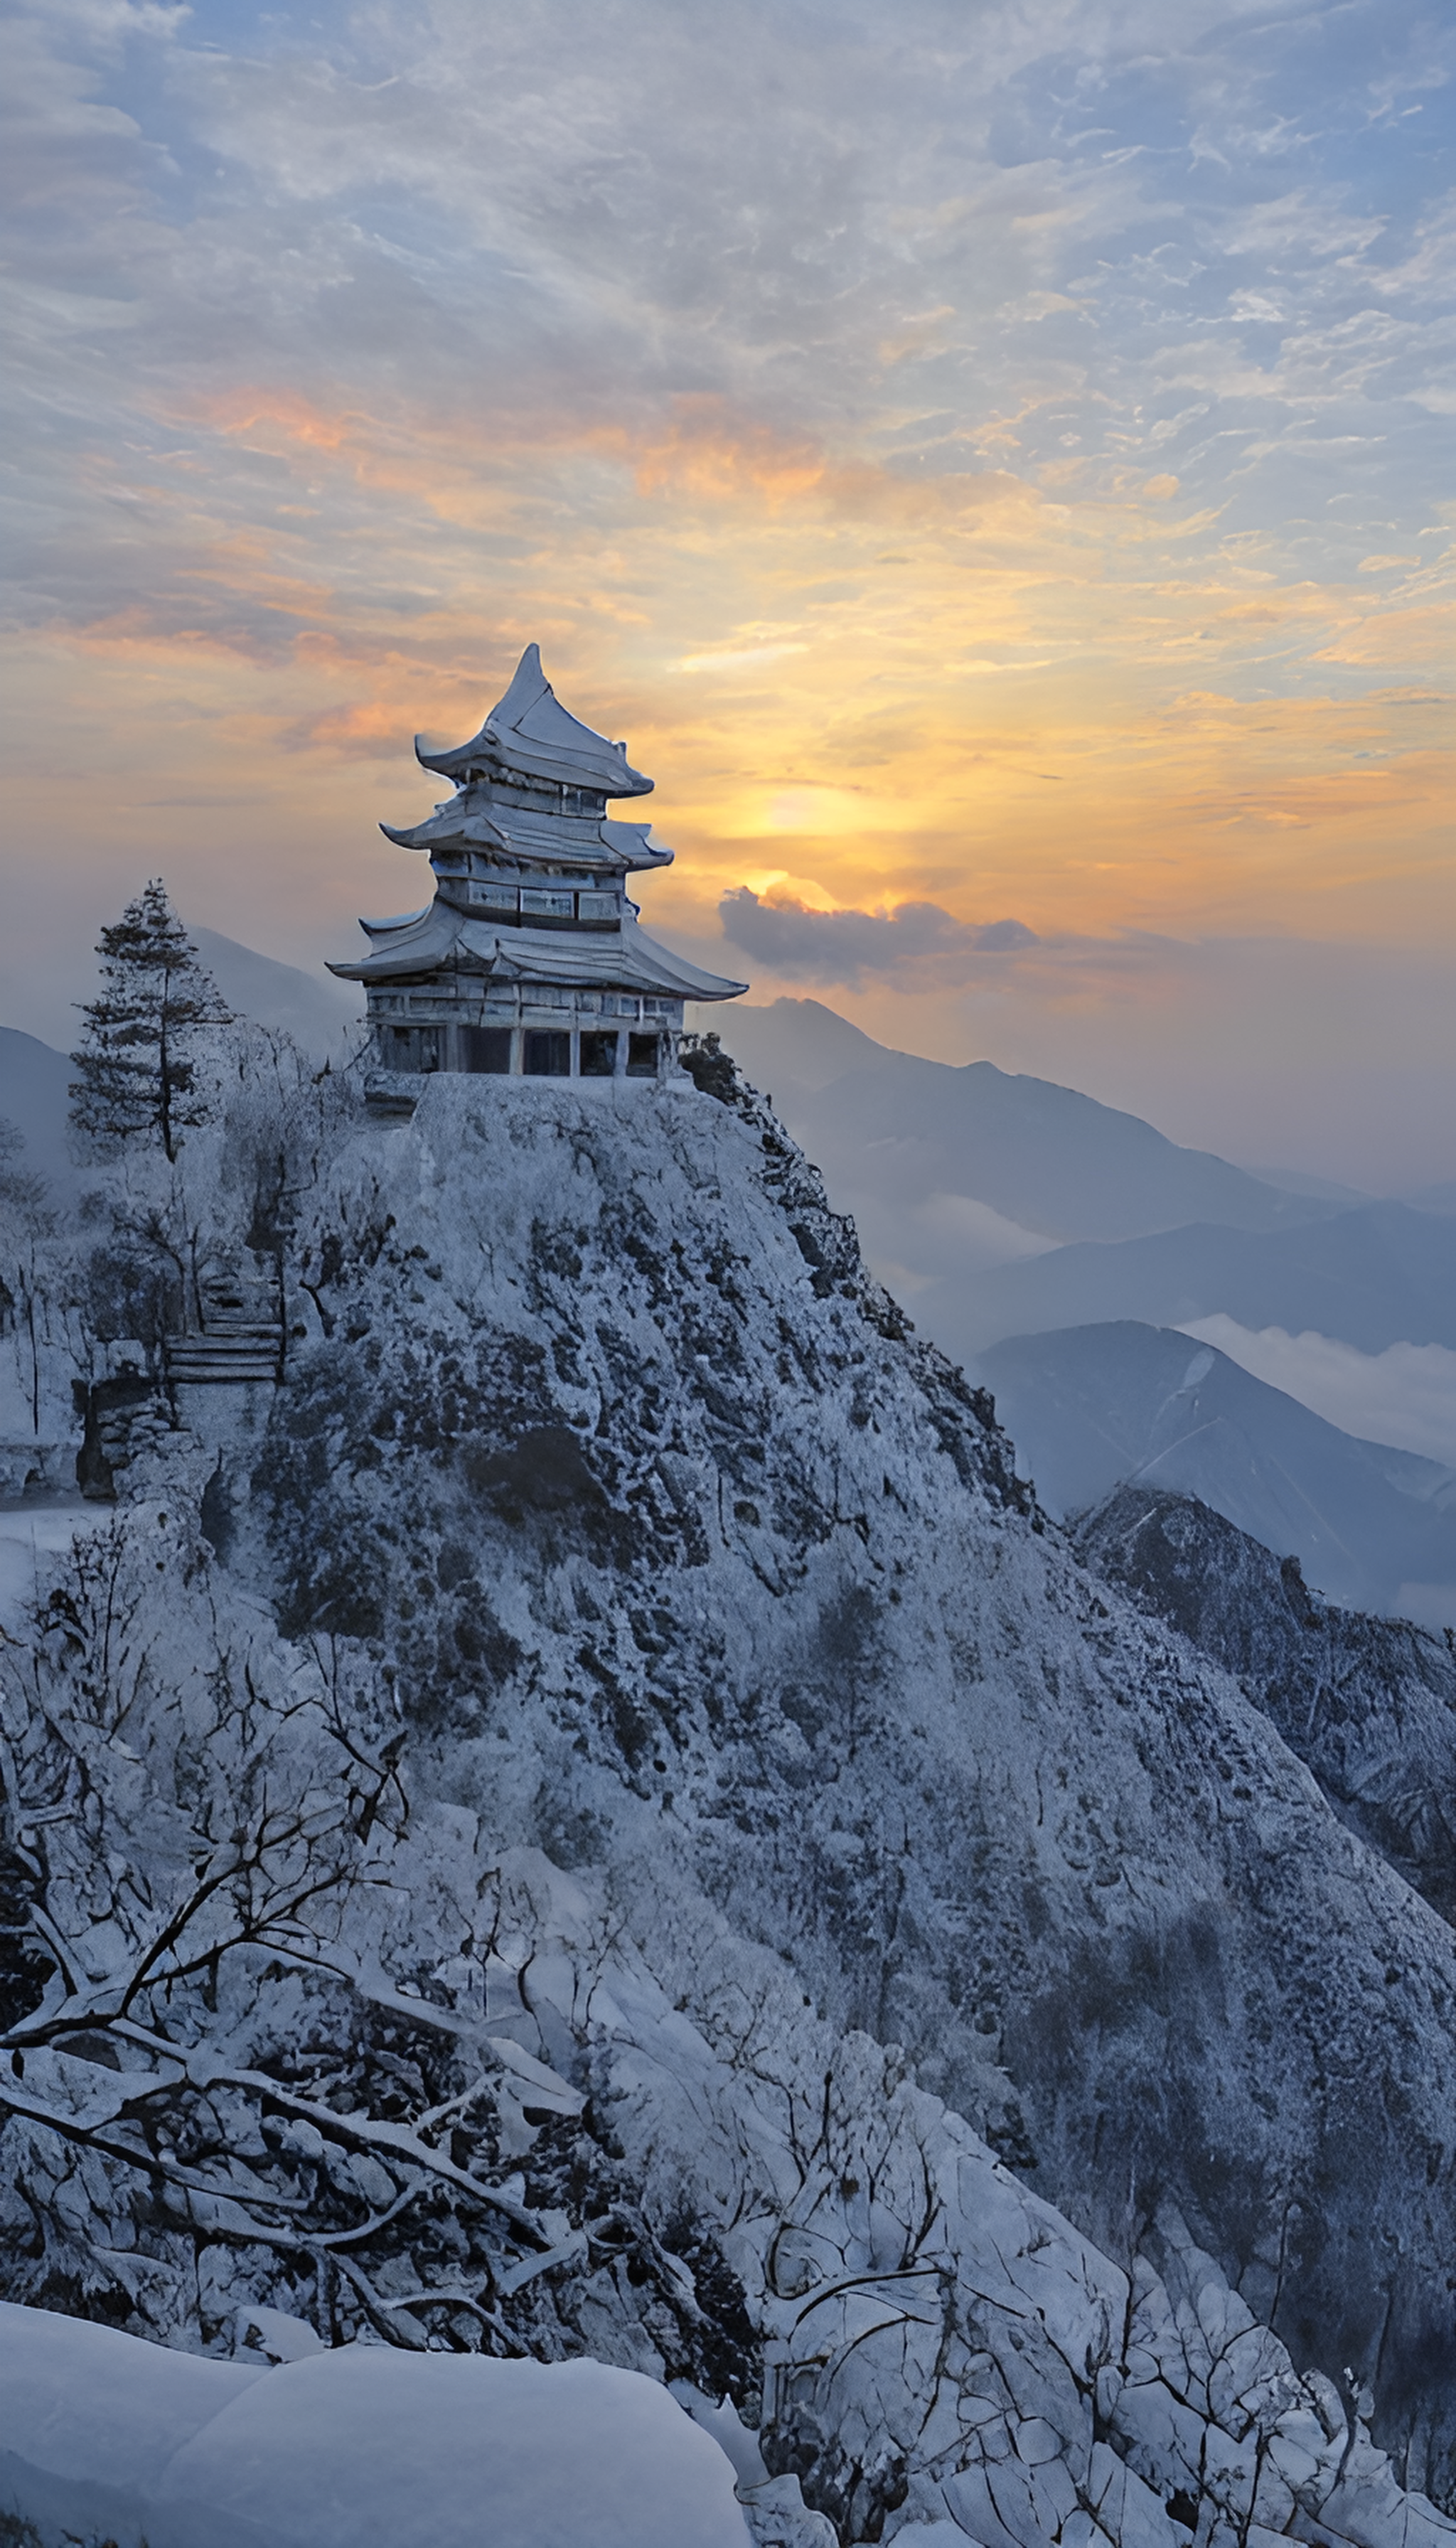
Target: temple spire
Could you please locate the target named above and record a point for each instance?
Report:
(530, 733)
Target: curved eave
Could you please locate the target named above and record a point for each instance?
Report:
(399, 920)
(616, 844)
(626, 959)
(448, 825)
(606, 771)
(629, 842)
(416, 946)
(629, 960)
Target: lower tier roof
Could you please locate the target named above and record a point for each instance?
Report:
(627, 961)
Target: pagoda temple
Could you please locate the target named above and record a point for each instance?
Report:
(529, 959)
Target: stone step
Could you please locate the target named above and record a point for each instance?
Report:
(225, 1359)
(237, 1374)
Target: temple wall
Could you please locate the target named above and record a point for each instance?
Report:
(541, 1033)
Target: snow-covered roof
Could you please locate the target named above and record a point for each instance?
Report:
(479, 821)
(627, 960)
(531, 732)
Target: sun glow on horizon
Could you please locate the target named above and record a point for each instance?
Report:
(983, 521)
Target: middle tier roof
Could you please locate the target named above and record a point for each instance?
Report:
(473, 820)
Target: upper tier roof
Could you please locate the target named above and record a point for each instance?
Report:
(531, 732)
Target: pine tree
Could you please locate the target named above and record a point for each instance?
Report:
(137, 1057)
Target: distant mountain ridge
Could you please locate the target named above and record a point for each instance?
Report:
(312, 1008)
(896, 1136)
(35, 1096)
(1381, 1276)
(1092, 1407)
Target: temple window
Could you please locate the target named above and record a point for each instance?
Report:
(487, 1049)
(642, 1053)
(548, 1054)
(599, 1057)
(554, 906)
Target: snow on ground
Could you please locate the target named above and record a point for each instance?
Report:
(359, 2448)
(748, 1606)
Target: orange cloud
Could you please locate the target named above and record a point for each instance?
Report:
(270, 415)
(707, 452)
(948, 684)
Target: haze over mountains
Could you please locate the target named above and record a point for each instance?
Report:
(33, 1084)
(1090, 1408)
(906, 1142)
(1375, 1277)
(312, 1008)
(1048, 1243)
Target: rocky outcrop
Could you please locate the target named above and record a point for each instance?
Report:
(1369, 1704)
(870, 1965)
(673, 1539)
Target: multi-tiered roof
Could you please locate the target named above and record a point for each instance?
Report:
(530, 934)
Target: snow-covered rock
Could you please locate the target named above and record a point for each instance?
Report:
(680, 1550)
(698, 1848)
(1369, 1704)
(359, 2448)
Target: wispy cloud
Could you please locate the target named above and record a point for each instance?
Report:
(1405, 1396)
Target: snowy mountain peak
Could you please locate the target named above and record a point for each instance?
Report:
(612, 1820)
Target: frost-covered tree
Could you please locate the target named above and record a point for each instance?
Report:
(28, 1224)
(137, 1059)
(224, 2086)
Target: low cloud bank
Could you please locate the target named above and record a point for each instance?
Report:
(1405, 1396)
(920, 946)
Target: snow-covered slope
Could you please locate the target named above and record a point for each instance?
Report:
(1090, 1407)
(1369, 1704)
(608, 1519)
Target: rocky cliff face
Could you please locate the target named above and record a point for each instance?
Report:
(1368, 1704)
(665, 1555)
(678, 1547)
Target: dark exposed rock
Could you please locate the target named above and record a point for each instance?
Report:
(1369, 1704)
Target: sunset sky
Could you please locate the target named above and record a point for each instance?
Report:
(992, 460)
